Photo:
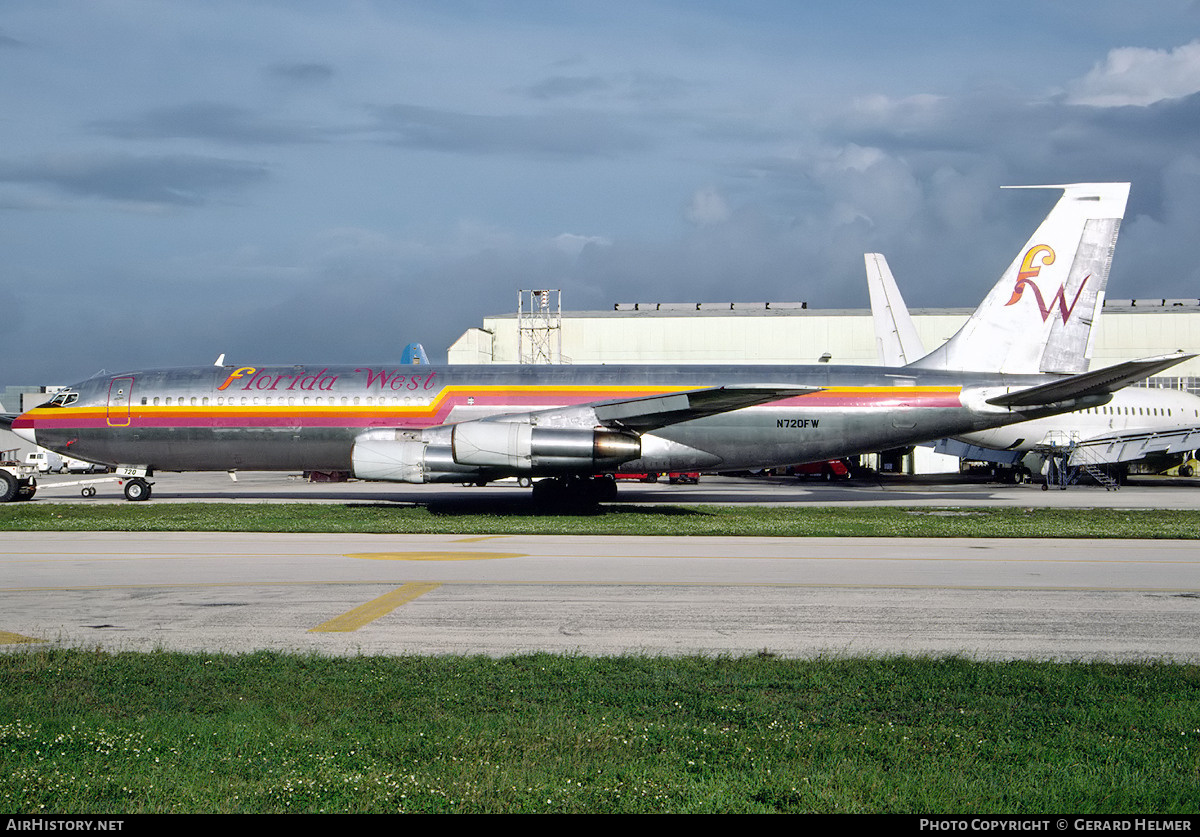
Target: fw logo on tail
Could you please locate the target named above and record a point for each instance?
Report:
(1030, 270)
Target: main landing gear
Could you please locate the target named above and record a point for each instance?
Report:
(574, 491)
(137, 489)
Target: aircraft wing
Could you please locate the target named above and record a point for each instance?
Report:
(654, 411)
(1100, 382)
(6, 420)
(1128, 445)
(965, 450)
(1109, 448)
(650, 412)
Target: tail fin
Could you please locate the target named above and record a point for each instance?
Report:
(896, 337)
(414, 354)
(1039, 316)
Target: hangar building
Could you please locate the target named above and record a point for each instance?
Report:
(791, 333)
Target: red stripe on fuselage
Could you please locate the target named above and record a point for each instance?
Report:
(438, 412)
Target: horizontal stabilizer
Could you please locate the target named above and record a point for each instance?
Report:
(1100, 382)
(6, 420)
(654, 411)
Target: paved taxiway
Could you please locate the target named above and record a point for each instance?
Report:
(347, 594)
(267, 487)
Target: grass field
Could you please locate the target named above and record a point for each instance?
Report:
(616, 519)
(88, 732)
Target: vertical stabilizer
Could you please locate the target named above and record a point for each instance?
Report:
(1039, 316)
(414, 354)
(896, 336)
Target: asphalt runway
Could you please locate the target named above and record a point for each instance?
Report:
(497, 595)
(269, 487)
(371, 594)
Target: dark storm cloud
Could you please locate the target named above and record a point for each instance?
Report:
(559, 87)
(984, 124)
(971, 123)
(210, 121)
(164, 181)
(637, 87)
(1170, 122)
(305, 73)
(561, 134)
(1046, 141)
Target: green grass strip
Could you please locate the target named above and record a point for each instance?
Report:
(88, 732)
(521, 518)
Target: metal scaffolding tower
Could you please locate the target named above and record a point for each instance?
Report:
(539, 326)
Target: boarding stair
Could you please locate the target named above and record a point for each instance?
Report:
(1069, 460)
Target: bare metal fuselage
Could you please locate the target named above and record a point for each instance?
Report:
(308, 417)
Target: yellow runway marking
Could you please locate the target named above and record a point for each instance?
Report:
(7, 638)
(479, 538)
(354, 619)
(434, 556)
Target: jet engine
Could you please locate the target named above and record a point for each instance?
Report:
(477, 450)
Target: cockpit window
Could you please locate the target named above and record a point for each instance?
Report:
(63, 399)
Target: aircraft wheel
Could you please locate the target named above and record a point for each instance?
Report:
(524, 482)
(1185, 471)
(137, 490)
(88, 491)
(547, 491)
(602, 489)
(563, 494)
(8, 487)
(27, 493)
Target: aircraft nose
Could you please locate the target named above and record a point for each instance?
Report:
(22, 427)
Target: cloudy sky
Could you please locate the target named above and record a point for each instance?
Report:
(302, 181)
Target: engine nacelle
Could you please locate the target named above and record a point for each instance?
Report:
(407, 460)
(517, 446)
(477, 450)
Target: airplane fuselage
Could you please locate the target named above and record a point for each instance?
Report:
(1132, 410)
(308, 417)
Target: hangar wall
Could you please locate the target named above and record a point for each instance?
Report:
(792, 333)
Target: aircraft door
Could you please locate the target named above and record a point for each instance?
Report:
(120, 392)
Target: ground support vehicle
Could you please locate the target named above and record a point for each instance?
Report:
(17, 481)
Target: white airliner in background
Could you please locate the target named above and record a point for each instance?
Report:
(1137, 421)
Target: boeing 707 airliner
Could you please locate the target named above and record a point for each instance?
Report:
(572, 425)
